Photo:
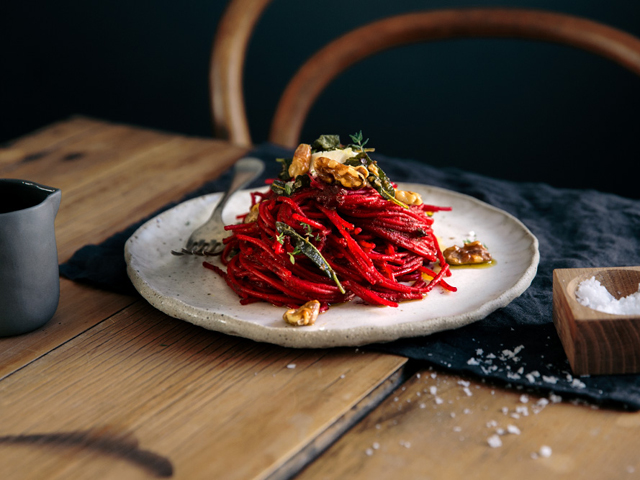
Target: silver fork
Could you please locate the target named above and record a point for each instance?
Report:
(207, 239)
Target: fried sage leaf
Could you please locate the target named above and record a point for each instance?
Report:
(326, 142)
(286, 163)
(287, 189)
(303, 245)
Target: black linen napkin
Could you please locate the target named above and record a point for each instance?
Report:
(516, 345)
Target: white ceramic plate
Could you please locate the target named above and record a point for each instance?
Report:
(182, 288)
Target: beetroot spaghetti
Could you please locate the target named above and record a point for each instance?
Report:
(333, 233)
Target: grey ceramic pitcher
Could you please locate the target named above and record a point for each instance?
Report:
(29, 279)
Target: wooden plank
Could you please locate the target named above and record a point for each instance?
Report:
(40, 143)
(595, 342)
(145, 395)
(80, 308)
(444, 433)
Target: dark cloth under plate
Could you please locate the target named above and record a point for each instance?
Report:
(516, 345)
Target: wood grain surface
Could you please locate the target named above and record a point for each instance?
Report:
(208, 405)
(112, 388)
(438, 426)
(595, 342)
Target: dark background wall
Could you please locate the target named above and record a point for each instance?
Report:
(512, 109)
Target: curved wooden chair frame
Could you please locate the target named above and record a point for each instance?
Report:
(317, 72)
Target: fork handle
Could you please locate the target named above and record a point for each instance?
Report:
(244, 172)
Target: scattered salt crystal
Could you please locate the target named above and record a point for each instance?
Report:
(492, 423)
(466, 411)
(422, 405)
(490, 356)
(473, 361)
(417, 375)
(479, 351)
(457, 429)
(369, 452)
(438, 401)
(551, 379)
(433, 389)
(522, 410)
(543, 402)
(434, 375)
(453, 414)
(505, 410)
(464, 383)
(545, 451)
(555, 398)
(577, 383)
(291, 365)
(494, 441)
(515, 415)
(375, 445)
(591, 293)
(500, 431)
(513, 429)
(467, 391)
(530, 377)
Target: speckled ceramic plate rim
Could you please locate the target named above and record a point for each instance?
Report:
(222, 317)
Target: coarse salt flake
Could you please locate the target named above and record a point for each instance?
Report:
(494, 441)
(513, 429)
(545, 451)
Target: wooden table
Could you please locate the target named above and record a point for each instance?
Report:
(112, 388)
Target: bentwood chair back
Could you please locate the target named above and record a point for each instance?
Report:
(236, 26)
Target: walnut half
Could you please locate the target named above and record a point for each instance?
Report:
(408, 198)
(301, 160)
(305, 315)
(331, 171)
(472, 253)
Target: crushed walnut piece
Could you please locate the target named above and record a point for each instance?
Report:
(330, 171)
(301, 160)
(303, 316)
(408, 198)
(470, 254)
(253, 214)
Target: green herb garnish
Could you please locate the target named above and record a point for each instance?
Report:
(357, 141)
(303, 245)
(286, 163)
(326, 142)
(287, 189)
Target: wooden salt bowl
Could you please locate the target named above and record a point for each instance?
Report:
(595, 342)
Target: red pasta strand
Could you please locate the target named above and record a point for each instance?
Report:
(381, 252)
